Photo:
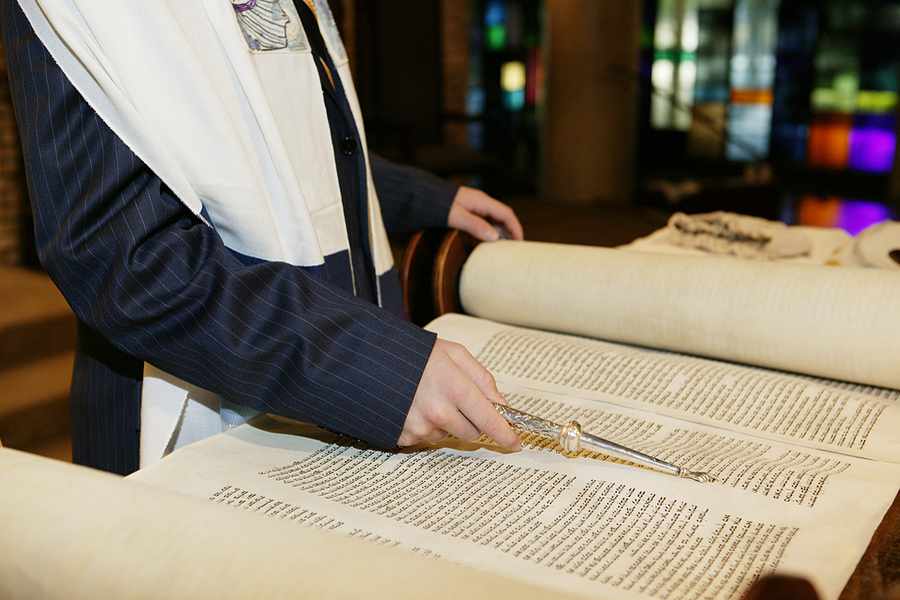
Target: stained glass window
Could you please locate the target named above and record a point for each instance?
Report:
(674, 70)
(804, 82)
(850, 119)
(713, 57)
(505, 85)
(810, 86)
(495, 24)
(512, 80)
(851, 215)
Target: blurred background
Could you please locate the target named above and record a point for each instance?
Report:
(595, 119)
(786, 110)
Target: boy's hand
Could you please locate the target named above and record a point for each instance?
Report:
(478, 214)
(455, 397)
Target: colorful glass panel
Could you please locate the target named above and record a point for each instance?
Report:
(831, 102)
(829, 140)
(872, 143)
(851, 215)
(495, 24)
(752, 77)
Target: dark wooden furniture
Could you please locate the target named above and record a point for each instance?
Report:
(429, 273)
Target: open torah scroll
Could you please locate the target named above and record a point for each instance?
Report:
(806, 466)
(806, 456)
(71, 533)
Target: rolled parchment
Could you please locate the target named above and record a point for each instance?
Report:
(68, 532)
(836, 323)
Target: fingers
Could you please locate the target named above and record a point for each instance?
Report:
(478, 227)
(415, 429)
(427, 434)
(480, 376)
(455, 396)
(475, 400)
(475, 212)
(514, 227)
(457, 425)
(405, 440)
(483, 415)
(436, 437)
(501, 213)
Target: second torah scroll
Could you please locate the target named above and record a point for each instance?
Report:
(839, 323)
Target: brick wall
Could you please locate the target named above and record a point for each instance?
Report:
(14, 222)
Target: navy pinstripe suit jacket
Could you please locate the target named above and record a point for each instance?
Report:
(149, 282)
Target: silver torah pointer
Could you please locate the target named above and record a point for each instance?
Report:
(572, 439)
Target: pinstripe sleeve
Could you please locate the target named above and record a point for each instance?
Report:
(141, 270)
(411, 198)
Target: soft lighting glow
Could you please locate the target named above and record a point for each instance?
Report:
(847, 83)
(495, 13)
(754, 40)
(840, 97)
(750, 124)
(850, 215)
(495, 24)
(856, 215)
(740, 62)
(818, 212)
(663, 77)
(824, 99)
(872, 145)
(674, 73)
(514, 100)
(496, 37)
(752, 76)
(829, 141)
(870, 101)
(690, 29)
(687, 77)
(666, 20)
(512, 76)
(475, 100)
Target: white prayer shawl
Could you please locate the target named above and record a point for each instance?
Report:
(237, 130)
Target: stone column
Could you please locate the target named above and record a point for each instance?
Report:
(590, 124)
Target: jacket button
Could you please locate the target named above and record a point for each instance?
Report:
(348, 146)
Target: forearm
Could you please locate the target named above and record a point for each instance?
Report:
(411, 198)
(269, 336)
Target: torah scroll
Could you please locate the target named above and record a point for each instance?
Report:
(835, 323)
(69, 532)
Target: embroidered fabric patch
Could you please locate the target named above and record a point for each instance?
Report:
(270, 25)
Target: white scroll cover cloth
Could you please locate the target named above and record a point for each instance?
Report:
(203, 105)
(878, 246)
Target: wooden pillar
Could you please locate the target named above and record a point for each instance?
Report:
(590, 124)
(456, 24)
(16, 237)
(345, 15)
